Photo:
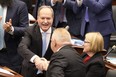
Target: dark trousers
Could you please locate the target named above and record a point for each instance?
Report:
(106, 41)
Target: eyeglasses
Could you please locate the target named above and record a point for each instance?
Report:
(86, 42)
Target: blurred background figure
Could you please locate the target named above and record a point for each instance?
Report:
(96, 17)
(92, 57)
(14, 21)
(29, 5)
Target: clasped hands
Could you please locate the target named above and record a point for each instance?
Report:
(41, 63)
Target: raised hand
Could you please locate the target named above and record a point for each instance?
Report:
(7, 26)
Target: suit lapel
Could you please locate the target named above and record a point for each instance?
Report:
(38, 38)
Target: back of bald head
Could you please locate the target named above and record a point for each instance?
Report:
(61, 35)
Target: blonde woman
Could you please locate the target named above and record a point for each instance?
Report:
(92, 57)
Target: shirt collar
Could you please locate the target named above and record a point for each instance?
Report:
(48, 31)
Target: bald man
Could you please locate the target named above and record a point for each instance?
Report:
(65, 62)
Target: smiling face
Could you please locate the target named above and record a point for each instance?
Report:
(45, 18)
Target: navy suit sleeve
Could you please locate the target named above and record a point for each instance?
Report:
(23, 19)
(97, 5)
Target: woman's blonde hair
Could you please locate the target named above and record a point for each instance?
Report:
(96, 41)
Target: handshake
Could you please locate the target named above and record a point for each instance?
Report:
(41, 63)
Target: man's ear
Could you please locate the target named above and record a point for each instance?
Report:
(53, 40)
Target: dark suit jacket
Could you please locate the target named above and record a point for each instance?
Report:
(29, 5)
(66, 63)
(31, 45)
(19, 15)
(100, 16)
(95, 67)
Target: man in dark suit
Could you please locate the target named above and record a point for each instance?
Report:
(66, 61)
(15, 20)
(96, 17)
(31, 46)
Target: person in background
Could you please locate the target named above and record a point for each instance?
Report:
(32, 46)
(29, 5)
(38, 3)
(14, 21)
(96, 17)
(92, 57)
(66, 61)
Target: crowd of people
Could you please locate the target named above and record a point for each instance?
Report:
(45, 49)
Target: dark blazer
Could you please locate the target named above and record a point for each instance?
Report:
(95, 67)
(72, 18)
(66, 63)
(100, 16)
(19, 14)
(29, 5)
(31, 45)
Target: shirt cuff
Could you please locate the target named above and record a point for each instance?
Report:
(79, 2)
(32, 59)
(63, 2)
(52, 3)
(11, 31)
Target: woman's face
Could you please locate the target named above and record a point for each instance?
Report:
(86, 46)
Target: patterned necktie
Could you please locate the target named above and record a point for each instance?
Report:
(1, 30)
(44, 43)
(86, 15)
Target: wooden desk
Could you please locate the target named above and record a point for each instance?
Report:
(110, 65)
(7, 75)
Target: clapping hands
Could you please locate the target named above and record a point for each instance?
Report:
(7, 25)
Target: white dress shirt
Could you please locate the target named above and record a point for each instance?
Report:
(47, 42)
